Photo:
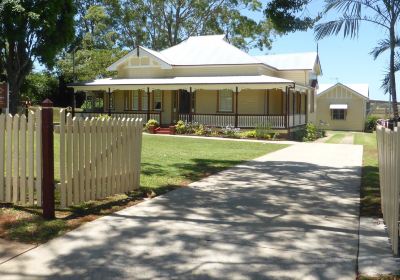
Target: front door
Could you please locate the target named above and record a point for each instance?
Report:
(184, 102)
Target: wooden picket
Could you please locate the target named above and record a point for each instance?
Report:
(389, 175)
(21, 159)
(99, 157)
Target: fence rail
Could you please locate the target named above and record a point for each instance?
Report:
(21, 159)
(389, 176)
(99, 157)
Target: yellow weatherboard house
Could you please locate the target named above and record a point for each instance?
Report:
(207, 80)
(343, 106)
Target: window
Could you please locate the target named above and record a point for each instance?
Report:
(225, 100)
(133, 99)
(144, 102)
(338, 114)
(157, 100)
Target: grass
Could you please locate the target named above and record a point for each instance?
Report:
(336, 138)
(167, 163)
(370, 192)
(382, 277)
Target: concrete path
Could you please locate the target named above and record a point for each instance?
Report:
(375, 255)
(292, 214)
(348, 139)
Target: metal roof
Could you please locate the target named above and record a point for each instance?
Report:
(361, 89)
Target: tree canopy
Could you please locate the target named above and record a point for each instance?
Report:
(29, 31)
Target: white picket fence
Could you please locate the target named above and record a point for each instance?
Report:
(99, 157)
(389, 175)
(21, 159)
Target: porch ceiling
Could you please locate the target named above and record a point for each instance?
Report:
(211, 82)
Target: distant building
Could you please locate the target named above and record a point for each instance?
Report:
(343, 106)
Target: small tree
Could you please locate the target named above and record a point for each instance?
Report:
(29, 31)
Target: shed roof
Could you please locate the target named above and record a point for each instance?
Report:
(362, 89)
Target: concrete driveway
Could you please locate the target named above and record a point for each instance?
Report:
(292, 214)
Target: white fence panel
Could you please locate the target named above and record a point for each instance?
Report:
(21, 159)
(389, 175)
(99, 157)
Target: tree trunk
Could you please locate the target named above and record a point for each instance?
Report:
(18, 66)
(392, 73)
(14, 96)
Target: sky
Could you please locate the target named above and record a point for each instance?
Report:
(342, 60)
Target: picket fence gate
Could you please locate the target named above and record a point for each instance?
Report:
(99, 157)
(389, 176)
(21, 159)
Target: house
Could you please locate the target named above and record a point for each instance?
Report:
(207, 80)
(343, 106)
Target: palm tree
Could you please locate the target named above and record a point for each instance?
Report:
(383, 13)
(382, 47)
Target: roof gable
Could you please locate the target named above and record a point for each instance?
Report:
(360, 89)
(155, 59)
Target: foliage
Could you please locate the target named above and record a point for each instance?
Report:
(164, 23)
(95, 46)
(203, 130)
(382, 47)
(308, 133)
(370, 123)
(29, 31)
(152, 122)
(248, 134)
(285, 16)
(230, 131)
(39, 86)
(90, 64)
(263, 131)
(181, 127)
(382, 13)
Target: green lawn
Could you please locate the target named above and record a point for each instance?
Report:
(167, 163)
(336, 138)
(170, 161)
(370, 193)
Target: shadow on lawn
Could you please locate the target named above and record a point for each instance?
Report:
(370, 196)
(200, 168)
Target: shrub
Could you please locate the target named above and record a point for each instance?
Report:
(248, 134)
(152, 122)
(370, 123)
(181, 127)
(263, 131)
(309, 133)
(230, 132)
(202, 130)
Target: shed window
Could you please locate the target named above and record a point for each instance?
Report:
(338, 114)
(225, 101)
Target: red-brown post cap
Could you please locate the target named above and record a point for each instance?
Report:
(47, 103)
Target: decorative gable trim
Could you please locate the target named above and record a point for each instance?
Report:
(141, 52)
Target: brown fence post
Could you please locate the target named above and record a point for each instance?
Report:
(47, 160)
